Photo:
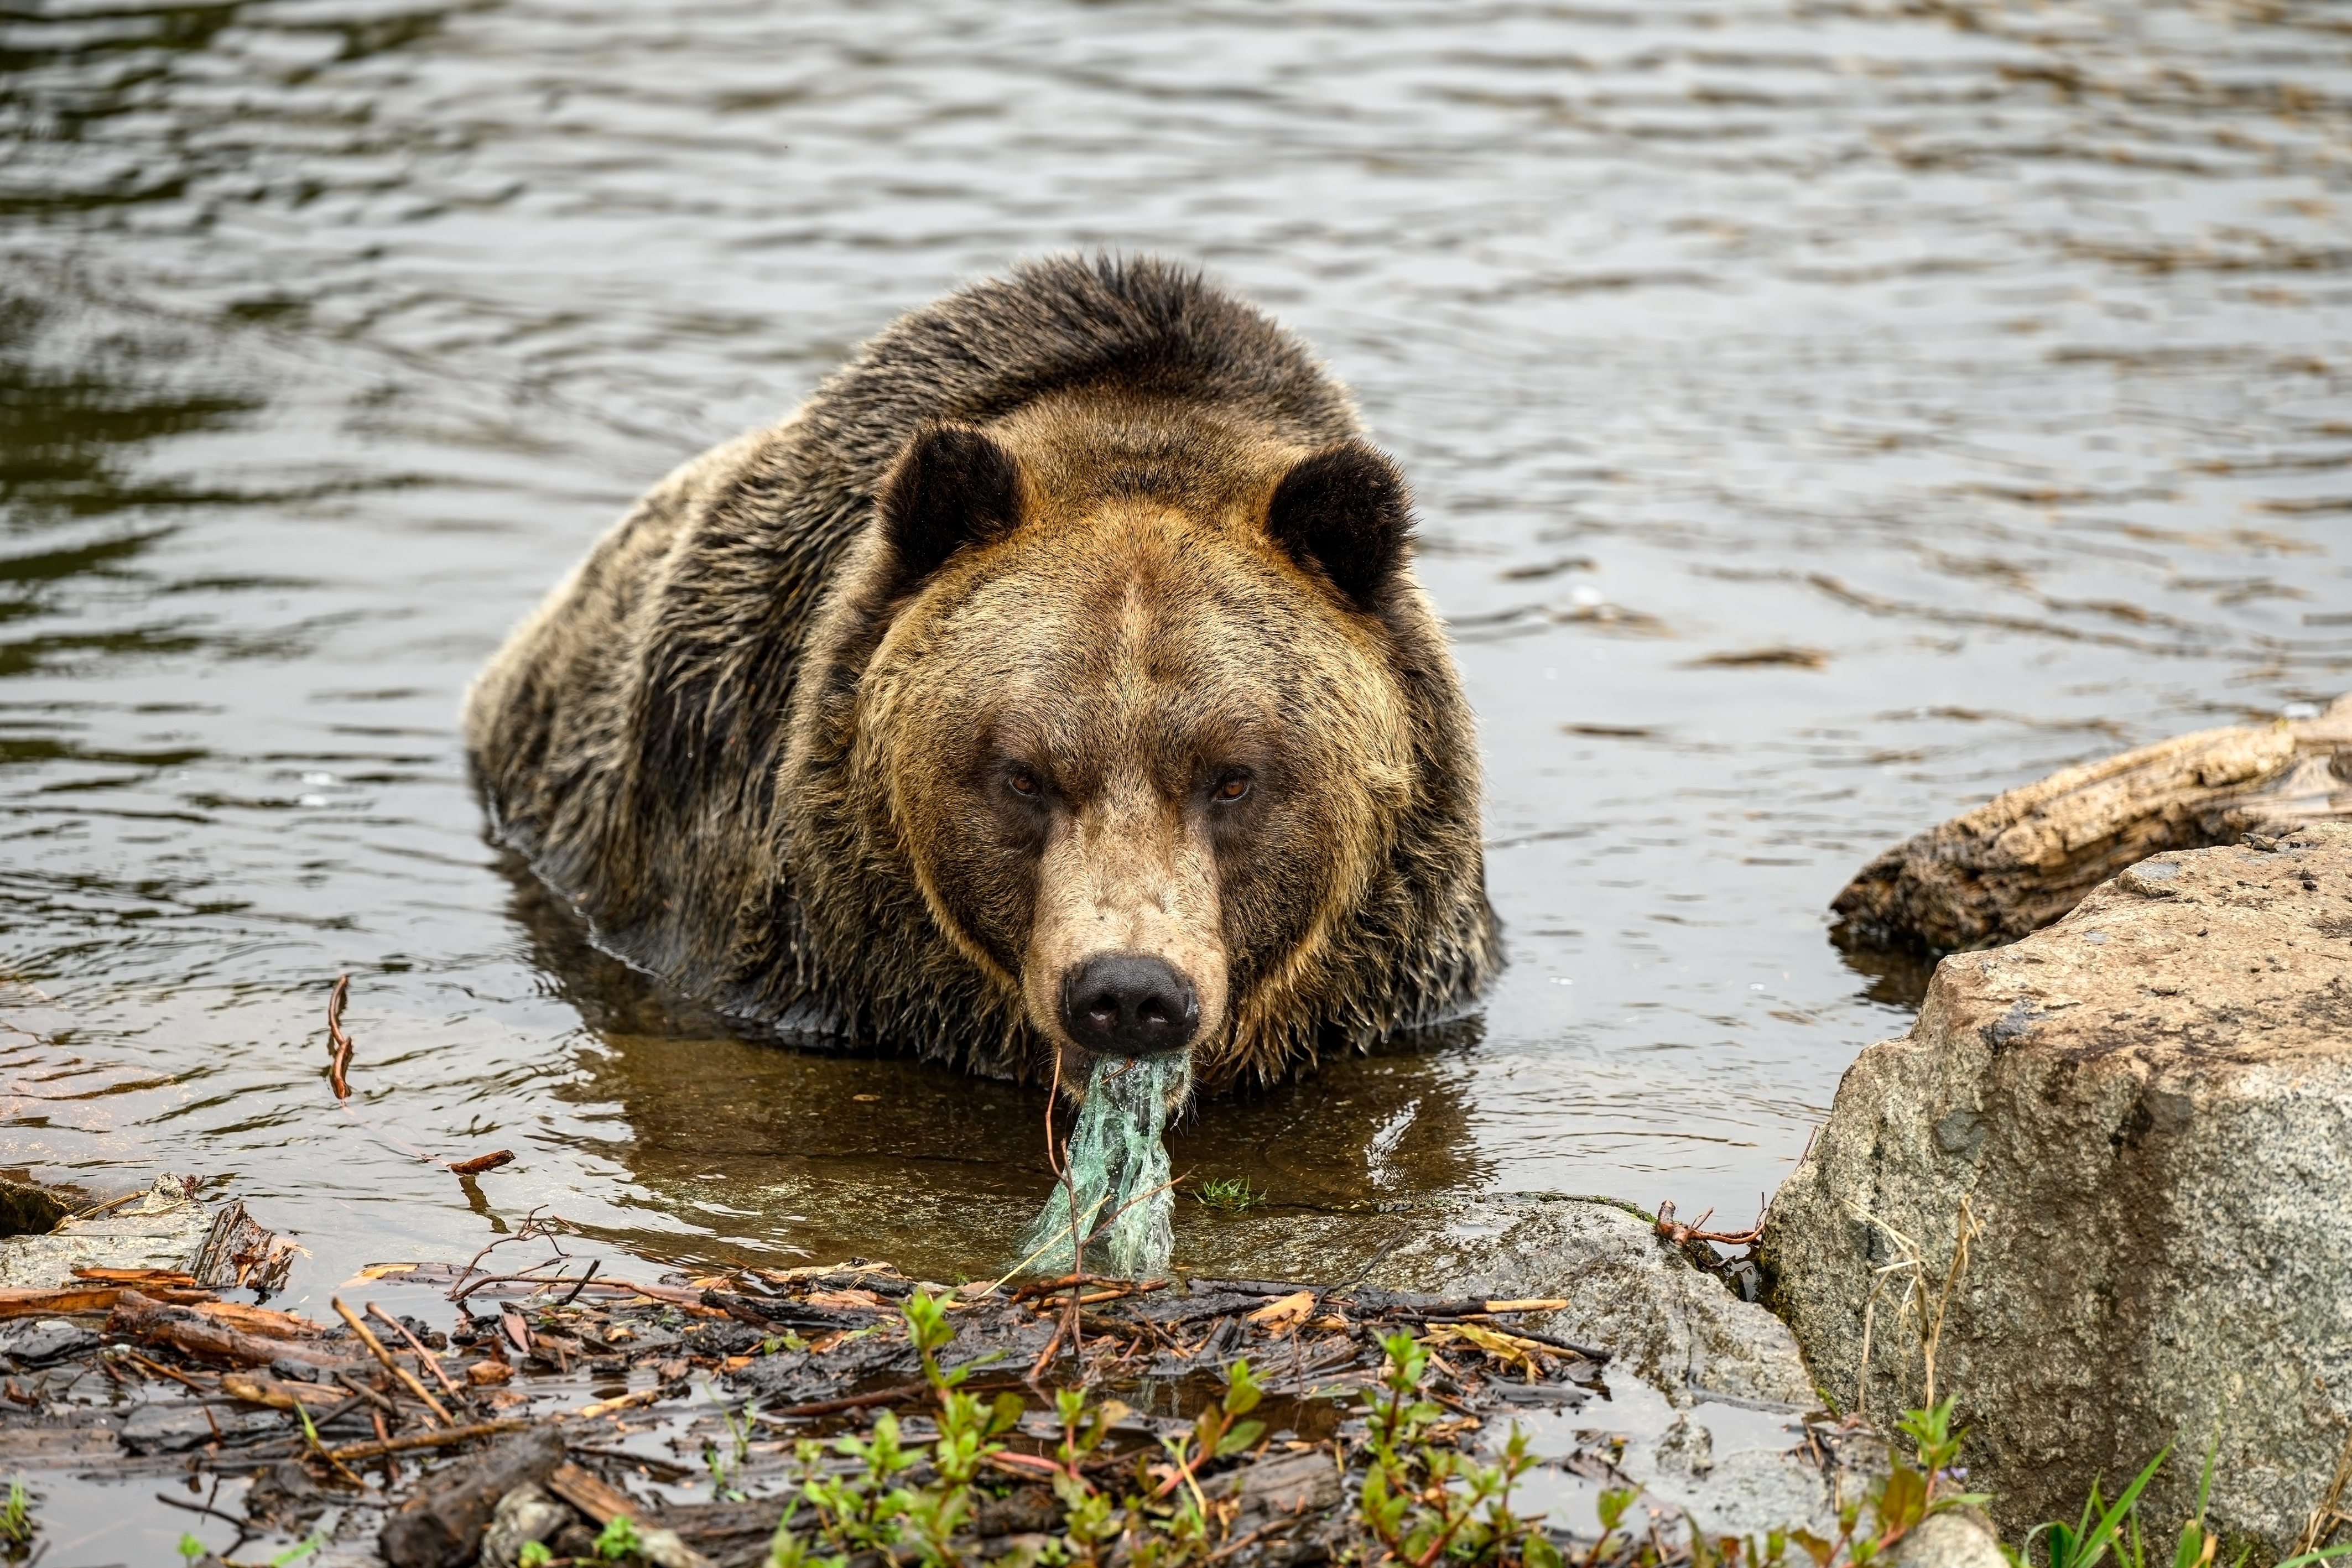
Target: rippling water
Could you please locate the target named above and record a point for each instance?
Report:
(1824, 416)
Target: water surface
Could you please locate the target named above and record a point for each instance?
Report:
(1823, 417)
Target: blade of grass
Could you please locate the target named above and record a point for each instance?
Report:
(2093, 1546)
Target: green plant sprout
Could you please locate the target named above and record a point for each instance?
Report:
(724, 1467)
(298, 1551)
(2117, 1529)
(16, 1515)
(1423, 1502)
(1231, 1194)
(619, 1541)
(1426, 1503)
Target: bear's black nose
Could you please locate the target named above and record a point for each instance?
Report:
(1126, 1004)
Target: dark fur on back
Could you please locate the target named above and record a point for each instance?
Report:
(631, 741)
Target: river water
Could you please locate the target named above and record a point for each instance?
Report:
(1824, 416)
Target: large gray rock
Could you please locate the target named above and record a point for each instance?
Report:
(2149, 1110)
(1630, 1291)
(1705, 1390)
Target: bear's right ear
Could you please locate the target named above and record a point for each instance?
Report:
(952, 486)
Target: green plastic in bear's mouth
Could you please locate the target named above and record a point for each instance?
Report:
(1116, 1185)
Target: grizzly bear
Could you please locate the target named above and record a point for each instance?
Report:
(1052, 683)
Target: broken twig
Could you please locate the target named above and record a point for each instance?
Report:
(415, 1440)
(1679, 1233)
(339, 1043)
(408, 1379)
(422, 1354)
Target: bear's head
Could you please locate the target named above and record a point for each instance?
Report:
(1121, 694)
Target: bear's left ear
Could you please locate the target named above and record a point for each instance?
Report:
(1345, 512)
(952, 486)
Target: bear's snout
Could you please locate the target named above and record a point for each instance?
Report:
(1129, 1003)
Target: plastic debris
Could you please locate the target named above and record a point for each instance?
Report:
(1117, 1195)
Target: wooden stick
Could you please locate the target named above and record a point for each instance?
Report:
(162, 1371)
(622, 1401)
(2024, 858)
(339, 1044)
(364, 1394)
(854, 1402)
(880, 1396)
(408, 1378)
(422, 1441)
(23, 1302)
(277, 1396)
(422, 1353)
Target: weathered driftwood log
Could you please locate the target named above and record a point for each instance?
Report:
(2024, 859)
(138, 1316)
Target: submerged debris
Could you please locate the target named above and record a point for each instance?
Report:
(569, 1417)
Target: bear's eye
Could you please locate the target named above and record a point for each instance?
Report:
(1233, 787)
(1024, 785)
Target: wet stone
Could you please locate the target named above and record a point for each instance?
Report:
(176, 1428)
(1679, 1330)
(160, 1229)
(1960, 1539)
(44, 1341)
(285, 1496)
(525, 1514)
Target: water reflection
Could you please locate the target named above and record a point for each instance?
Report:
(851, 1152)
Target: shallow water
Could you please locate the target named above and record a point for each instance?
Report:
(1824, 415)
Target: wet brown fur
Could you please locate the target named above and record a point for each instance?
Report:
(761, 738)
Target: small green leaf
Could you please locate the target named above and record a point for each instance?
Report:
(619, 1539)
(1814, 1547)
(1241, 1391)
(296, 1553)
(1242, 1435)
(1904, 1504)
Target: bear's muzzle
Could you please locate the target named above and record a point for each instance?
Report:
(1130, 1004)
